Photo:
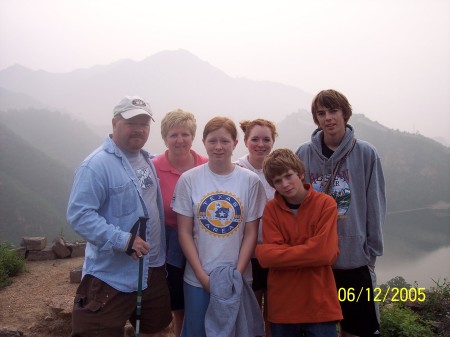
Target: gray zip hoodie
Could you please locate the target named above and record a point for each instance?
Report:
(359, 191)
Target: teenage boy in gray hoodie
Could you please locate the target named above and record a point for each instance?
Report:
(349, 170)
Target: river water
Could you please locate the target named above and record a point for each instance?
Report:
(434, 266)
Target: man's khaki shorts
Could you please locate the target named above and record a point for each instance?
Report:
(100, 310)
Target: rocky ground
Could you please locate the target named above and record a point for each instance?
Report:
(26, 304)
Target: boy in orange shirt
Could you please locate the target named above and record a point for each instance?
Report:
(300, 244)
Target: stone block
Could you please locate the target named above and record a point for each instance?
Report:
(62, 305)
(60, 248)
(34, 242)
(75, 275)
(7, 332)
(77, 249)
(41, 255)
(21, 252)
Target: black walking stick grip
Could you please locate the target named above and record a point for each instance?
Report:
(140, 224)
(143, 228)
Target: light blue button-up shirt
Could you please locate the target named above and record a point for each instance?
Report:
(105, 202)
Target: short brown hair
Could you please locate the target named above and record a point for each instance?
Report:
(279, 162)
(220, 122)
(247, 126)
(331, 99)
(178, 118)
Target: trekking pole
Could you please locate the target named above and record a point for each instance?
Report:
(142, 234)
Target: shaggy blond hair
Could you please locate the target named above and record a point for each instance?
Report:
(178, 118)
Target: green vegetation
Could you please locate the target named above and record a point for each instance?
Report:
(399, 321)
(437, 306)
(35, 190)
(405, 317)
(40, 150)
(10, 264)
(415, 167)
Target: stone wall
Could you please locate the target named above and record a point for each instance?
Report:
(36, 249)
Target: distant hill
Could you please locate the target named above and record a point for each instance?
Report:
(34, 191)
(169, 80)
(417, 168)
(40, 150)
(12, 100)
(63, 138)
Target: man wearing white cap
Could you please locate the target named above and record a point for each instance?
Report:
(115, 187)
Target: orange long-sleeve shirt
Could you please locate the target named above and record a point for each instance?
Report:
(299, 249)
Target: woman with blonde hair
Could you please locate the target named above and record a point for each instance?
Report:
(178, 131)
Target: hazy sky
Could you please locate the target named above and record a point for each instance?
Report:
(391, 58)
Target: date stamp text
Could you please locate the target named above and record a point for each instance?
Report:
(382, 295)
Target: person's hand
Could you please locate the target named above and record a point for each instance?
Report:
(140, 248)
(204, 281)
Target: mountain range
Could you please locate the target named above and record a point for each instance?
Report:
(169, 80)
(50, 122)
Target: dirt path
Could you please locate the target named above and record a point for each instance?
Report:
(24, 305)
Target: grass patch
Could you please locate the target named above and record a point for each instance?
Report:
(11, 264)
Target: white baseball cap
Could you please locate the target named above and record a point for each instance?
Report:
(131, 106)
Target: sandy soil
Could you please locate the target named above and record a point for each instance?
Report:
(24, 305)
